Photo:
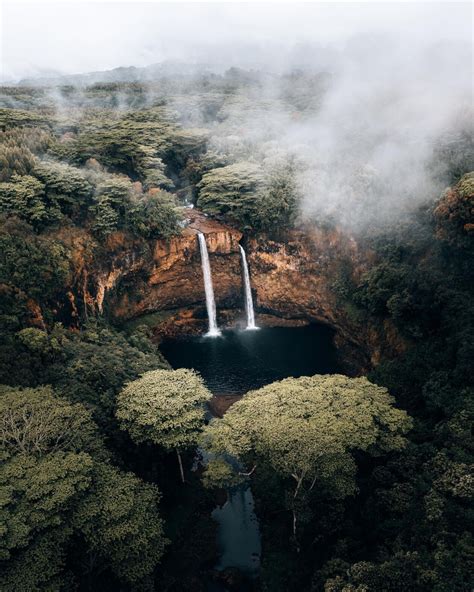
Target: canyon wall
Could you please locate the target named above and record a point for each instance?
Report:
(292, 282)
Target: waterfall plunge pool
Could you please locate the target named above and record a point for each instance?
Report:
(240, 361)
(232, 364)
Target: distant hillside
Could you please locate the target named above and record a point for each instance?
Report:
(122, 74)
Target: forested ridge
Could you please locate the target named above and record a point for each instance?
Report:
(361, 484)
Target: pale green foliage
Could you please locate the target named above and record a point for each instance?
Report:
(34, 421)
(121, 523)
(164, 407)
(24, 197)
(307, 428)
(220, 474)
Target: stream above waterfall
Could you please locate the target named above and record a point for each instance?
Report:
(240, 361)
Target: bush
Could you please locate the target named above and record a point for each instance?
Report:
(249, 196)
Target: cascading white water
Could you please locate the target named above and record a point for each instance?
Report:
(248, 292)
(209, 290)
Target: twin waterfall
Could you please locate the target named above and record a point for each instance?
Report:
(248, 291)
(209, 290)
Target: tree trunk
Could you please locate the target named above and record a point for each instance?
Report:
(294, 531)
(180, 462)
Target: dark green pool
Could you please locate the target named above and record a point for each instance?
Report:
(239, 361)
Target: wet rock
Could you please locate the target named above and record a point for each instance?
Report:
(292, 281)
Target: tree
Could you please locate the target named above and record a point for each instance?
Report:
(23, 196)
(154, 215)
(41, 565)
(97, 363)
(121, 524)
(67, 187)
(164, 407)
(34, 421)
(454, 214)
(36, 265)
(38, 493)
(112, 201)
(56, 482)
(250, 196)
(14, 159)
(306, 430)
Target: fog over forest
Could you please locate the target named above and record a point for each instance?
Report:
(395, 84)
(236, 296)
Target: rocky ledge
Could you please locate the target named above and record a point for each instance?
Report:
(292, 282)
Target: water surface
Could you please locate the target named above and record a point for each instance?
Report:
(234, 363)
(239, 361)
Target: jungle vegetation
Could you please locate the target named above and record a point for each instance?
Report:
(361, 484)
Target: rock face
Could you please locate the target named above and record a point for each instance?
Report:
(170, 277)
(295, 278)
(292, 282)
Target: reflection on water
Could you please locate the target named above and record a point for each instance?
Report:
(239, 361)
(235, 363)
(239, 535)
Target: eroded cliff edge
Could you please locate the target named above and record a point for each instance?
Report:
(292, 281)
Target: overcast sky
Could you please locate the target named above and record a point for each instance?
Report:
(74, 37)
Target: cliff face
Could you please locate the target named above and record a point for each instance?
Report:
(169, 276)
(291, 282)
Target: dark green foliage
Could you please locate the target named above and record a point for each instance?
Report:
(112, 200)
(10, 118)
(98, 363)
(55, 484)
(138, 141)
(88, 367)
(67, 187)
(454, 215)
(40, 493)
(72, 515)
(41, 565)
(121, 524)
(154, 215)
(247, 195)
(35, 265)
(23, 196)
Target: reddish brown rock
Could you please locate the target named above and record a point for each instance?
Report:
(292, 281)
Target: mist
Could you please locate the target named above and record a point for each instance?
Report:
(390, 81)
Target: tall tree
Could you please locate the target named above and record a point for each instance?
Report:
(165, 407)
(305, 431)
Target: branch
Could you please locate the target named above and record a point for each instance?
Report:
(249, 473)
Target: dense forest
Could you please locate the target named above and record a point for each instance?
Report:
(362, 483)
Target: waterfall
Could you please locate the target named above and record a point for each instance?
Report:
(209, 290)
(248, 292)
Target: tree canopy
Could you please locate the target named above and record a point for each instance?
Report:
(164, 407)
(308, 428)
(250, 196)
